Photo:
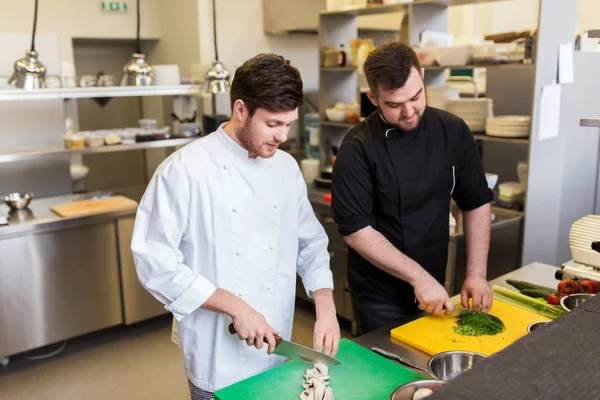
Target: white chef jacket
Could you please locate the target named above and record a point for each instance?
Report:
(213, 218)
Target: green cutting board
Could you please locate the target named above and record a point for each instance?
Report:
(363, 375)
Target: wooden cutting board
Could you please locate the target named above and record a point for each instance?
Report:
(97, 206)
(435, 334)
(363, 375)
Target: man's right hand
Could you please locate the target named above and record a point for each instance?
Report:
(432, 297)
(252, 327)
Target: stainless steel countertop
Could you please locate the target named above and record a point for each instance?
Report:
(39, 218)
(538, 273)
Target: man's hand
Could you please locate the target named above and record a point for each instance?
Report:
(326, 337)
(252, 327)
(432, 297)
(478, 290)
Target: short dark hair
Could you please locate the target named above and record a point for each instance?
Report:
(267, 81)
(389, 66)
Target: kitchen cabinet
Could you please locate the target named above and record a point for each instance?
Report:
(56, 285)
(138, 303)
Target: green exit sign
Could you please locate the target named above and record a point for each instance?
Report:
(114, 6)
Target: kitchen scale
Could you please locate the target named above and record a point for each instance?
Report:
(584, 240)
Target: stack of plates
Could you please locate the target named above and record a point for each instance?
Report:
(438, 96)
(474, 112)
(508, 126)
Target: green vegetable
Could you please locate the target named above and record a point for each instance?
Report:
(473, 323)
(522, 285)
(520, 300)
(535, 293)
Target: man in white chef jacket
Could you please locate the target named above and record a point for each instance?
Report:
(223, 228)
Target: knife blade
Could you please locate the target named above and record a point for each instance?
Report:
(296, 351)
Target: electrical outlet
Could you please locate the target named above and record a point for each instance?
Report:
(114, 6)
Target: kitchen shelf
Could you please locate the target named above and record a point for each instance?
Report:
(486, 138)
(338, 69)
(591, 122)
(110, 91)
(400, 7)
(445, 67)
(594, 33)
(337, 124)
(37, 152)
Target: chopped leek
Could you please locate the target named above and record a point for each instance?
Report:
(520, 300)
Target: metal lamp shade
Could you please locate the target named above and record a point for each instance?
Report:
(217, 79)
(138, 72)
(29, 72)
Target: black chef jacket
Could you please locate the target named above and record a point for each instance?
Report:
(400, 183)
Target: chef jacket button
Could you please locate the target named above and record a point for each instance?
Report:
(225, 166)
(234, 209)
(240, 294)
(275, 206)
(272, 246)
(270, 164)
(237, 253)
(243, 358)
(269, 287)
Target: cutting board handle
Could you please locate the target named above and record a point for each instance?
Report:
(278, 338)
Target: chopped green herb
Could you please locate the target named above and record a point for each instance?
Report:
(471, 323)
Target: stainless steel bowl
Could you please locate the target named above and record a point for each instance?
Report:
(406, 391)
(18, 201)
(450, 364)
(533, 326)
(574, 300)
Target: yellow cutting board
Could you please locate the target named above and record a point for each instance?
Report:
(97, 206)
(435, 334)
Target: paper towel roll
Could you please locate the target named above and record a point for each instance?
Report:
(310, 169)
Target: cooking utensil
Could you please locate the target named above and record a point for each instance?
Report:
(450, 364)
(533, 326)
(407, 391)
(396, 357)
(574, 300)
(297, 351)
(18, 201)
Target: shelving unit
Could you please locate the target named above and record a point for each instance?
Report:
(594, 34)
(33, 153)
(565, 164)
(338, 69)
(334, 124)
(95, 92)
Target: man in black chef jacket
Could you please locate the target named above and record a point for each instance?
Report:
(393, 180)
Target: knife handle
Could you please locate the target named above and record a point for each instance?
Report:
(278, 338)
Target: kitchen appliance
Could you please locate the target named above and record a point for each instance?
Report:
(435, 334)
(138, 72)
(29, 72)
(584, 241)
(363, 375)
(296, 351)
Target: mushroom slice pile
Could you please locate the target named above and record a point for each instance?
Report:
(316, 384)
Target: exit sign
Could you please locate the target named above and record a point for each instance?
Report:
(114, 6)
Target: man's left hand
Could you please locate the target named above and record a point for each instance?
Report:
(478, 290)
(326, 336)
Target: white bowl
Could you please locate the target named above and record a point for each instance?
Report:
(335, 115)
(78, 172)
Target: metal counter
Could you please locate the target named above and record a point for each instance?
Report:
(539, 273)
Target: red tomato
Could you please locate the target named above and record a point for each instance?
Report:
(554, 299)
(587, 286)
(567, 286)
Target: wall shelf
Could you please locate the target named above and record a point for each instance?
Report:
(94, 92)
(400, 7)
(486, 138)
(473, 66)
(338, 69)
(591, 122)
(337, 124)
(37, 152)
(594, 33)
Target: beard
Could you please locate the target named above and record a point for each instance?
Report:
(249, 143)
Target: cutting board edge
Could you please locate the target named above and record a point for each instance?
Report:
(128, 204)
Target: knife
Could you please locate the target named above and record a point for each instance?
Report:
(297, 351)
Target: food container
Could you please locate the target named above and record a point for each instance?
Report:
(329, 56)
(75, 142)
(450, 364)
(336, 115)
(569, 303)
(112, 138)
(408, 390)
(160, 134)
(143, 137)
(94, 139)
(128, 135)
(148, 124)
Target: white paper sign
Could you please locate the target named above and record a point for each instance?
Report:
(549, 112)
